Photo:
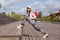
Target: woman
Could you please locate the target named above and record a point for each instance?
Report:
(31, 19)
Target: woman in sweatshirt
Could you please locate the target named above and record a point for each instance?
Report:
(31, 19)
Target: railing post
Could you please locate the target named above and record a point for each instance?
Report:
(20, 37)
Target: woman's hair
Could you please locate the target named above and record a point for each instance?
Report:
(28, 11)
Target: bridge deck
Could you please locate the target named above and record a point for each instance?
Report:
(11, 32)
(29, 33)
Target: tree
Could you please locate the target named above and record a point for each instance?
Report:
(13, 12)
(3, 13)
(0, 5)
(40, 15)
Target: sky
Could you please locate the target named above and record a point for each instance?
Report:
(19, 6)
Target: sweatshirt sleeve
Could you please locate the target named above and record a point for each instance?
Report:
(33, 16)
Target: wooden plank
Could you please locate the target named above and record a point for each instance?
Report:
(29, 33)
(23, 38)
(16, 32)
(5, 31)
(25, 29)
(27, 38)
(9, 29)
(38, 35)
(13, 32)
(31, 38)
(34, 35)
(9, 38)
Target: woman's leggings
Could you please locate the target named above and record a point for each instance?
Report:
(34, 24)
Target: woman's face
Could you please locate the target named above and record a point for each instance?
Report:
(28, 10)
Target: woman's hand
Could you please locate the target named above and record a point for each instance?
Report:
(28, 17)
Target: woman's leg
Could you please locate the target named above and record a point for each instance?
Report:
(33, 23)
(23, 23)
(36, 26)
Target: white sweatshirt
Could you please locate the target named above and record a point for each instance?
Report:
(32, 16)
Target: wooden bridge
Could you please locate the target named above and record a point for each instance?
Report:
(11, 32)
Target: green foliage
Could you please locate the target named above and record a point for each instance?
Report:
(46, 18)
(53, 17)
(17, 17)
(40, 14)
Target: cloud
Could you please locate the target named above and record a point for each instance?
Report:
(46, 8)
(52, 6)
(13, 5)
(20, 5)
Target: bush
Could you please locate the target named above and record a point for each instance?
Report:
(17, 17)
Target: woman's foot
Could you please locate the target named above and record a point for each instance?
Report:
(45, 36)
(19, 26)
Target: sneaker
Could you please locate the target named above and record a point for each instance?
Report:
(45, 36)
(19, 26)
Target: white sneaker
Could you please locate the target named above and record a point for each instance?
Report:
(45, 36)
(19, 26)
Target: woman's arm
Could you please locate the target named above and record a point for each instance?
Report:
(32, 16)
